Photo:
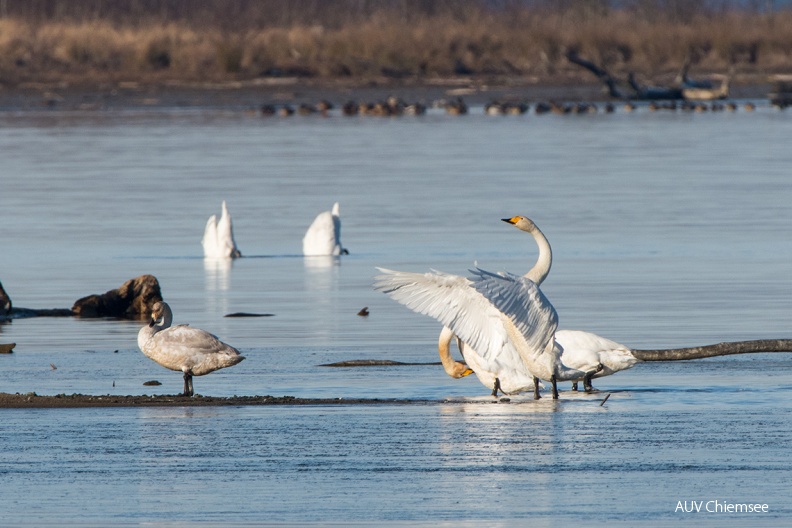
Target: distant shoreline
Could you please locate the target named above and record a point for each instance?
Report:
(250, 95)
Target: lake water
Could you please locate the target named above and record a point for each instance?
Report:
(668, 230)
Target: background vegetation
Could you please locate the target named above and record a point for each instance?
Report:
(89, 41)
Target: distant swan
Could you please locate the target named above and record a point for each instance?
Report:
(323, 237)
(189, 350)
(218, 240)
(504, 317)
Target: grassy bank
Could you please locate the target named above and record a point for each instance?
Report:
(88, 42)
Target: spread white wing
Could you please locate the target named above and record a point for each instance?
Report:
(497, 314)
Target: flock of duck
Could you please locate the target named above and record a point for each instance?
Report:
(394, 106)
(504, 326)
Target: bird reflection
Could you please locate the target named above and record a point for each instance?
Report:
(217, 273)
(321, 273)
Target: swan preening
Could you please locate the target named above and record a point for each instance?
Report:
(323, 237)
(189, 350)
(218, 239)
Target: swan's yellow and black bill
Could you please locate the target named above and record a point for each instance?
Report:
(512, 220)
(467, 372)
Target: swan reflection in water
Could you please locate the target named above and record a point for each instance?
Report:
(217, 273)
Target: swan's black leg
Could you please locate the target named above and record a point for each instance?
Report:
(536, 388)
(496, 388)
(574, 386)
(587, 378)
(188, 385)
(555, 387)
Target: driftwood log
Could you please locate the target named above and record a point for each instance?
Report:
(133, 300)
(683, 87)
(720, 349)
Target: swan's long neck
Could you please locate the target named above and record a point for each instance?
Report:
(720, 349)
(455, 369)
(541, 269)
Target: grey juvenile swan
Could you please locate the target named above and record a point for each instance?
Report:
(189, 350)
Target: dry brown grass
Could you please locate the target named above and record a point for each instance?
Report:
(513, 42)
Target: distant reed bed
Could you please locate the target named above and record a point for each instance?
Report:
(155, 40)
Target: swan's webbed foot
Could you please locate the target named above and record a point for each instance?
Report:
(537, 396)
(496, 388)
(555, 387)
(188, 384)
(574, 386)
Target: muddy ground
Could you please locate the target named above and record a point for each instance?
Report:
(34, 401)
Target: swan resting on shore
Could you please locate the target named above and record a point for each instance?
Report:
(218, 239)
(183, 348)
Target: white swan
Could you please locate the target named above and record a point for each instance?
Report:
(218, 239)
(511, 379)
(189, 350)
(323, 237)
(587, 352)
(505, 318)
(584, 351)
(507, 380)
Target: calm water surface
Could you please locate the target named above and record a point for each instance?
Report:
(667, 230)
